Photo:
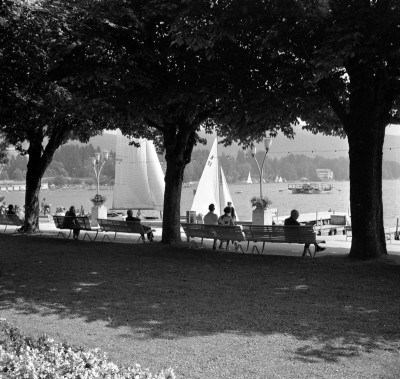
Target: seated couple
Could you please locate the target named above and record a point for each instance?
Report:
(212, 219)
(292, 220)
(146, 228)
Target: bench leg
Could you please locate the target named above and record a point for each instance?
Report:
(248, 244)
(86, 234)
(239, 247)
(97, 232)
(62, 233)
(308, 252)
(256, 248)
(263, 248)
(106, 236)
(141, 238)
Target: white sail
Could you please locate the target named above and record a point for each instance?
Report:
(277, 179)
(139, 179)
(208, 188)
(226, 194)
(249, 181)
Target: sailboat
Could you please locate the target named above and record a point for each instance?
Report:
(249, 181)
(209, 190)
(139, 179)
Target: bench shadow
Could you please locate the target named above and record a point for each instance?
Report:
(156, 291)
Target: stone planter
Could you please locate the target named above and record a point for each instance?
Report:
(262, 216)
(98, 211)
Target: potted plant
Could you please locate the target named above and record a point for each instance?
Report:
(98, 199)
(262, 202)
(261, 216)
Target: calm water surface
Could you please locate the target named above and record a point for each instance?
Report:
(283, 199)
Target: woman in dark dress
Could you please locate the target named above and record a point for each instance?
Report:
(72, 221)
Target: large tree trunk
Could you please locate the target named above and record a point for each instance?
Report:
(365, 153)
(38, 162)
(178, 150)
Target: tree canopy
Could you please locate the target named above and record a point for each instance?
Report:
(41, 105)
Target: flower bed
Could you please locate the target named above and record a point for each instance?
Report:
(24, 357)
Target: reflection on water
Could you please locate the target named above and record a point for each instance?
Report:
(282, 198)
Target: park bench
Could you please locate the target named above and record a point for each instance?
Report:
(71, 222)
(280, 234)
(121, 226)
(389, 232)
(9, 219)
(221, 232)
(342, 220)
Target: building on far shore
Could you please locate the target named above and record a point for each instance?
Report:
(324, 174)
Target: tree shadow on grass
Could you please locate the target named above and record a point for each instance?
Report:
(158, 291)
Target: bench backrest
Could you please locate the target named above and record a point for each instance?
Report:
(6, 219)
(64, 222)
(222, 232)
(120, 226)
(71, 222)
(338, 220)
(83, 222)
(280, 233)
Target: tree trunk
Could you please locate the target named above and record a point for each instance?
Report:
(365, 153)
(178, 150)
(37, 165)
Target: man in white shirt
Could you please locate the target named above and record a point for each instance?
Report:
(211, 219)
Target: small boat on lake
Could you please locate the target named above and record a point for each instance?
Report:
(310, 188)
(249, 181)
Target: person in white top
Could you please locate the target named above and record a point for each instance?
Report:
(211, 219)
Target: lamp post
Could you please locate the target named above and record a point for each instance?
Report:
(267, 144)
(98, 162)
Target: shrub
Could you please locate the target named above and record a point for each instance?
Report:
(24, 357)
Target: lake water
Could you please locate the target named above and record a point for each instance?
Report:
(281, 197)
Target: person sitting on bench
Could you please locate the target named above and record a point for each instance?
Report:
(292, 220)
(226, 219)
(211, 219)
(72, 222)
(146, 228)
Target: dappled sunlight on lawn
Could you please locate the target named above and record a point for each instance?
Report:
(331, 307)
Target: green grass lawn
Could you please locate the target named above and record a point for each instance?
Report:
(207, 314)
